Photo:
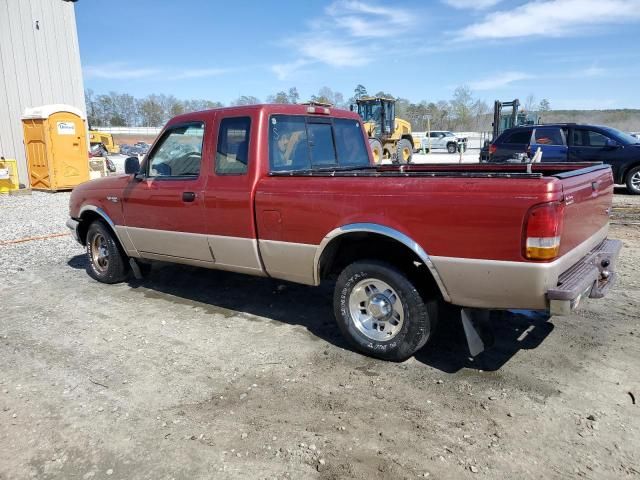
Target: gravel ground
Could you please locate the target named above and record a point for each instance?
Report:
(38, 215)
(200, 374)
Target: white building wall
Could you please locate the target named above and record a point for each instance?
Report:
(39, 65)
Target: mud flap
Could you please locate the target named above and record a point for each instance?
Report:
(477, 329)
(135, 268)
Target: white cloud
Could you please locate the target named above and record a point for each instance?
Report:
(285, 70)
(552, 18)
(361, 19)
(594, 71)
(472, 4)
(347, 36)
(124, 71)
(115, 71)
(335, 53)
(499, 80)
(199, 73)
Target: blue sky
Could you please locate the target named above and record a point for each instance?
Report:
(577, 53)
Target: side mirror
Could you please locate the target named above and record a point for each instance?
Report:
(611, 144)
(131, 165)
(351, 107)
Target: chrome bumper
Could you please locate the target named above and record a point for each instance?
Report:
(73, 226)
(591, 277)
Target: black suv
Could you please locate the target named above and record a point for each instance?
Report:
(562, 142)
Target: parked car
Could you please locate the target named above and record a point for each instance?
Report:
(142, 147)
(292, 193)
(125, 149)
(574, 143)
(443, 140)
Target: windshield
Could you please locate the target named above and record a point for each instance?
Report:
(621, 137)
(370, 111)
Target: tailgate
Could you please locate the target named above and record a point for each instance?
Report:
(588, 194)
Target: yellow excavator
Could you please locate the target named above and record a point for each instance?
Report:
(389, 137)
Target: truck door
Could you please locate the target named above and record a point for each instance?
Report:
(164, 209)
(229, 210)
(551, 141)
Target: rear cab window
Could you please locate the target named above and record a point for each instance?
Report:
(304, 143)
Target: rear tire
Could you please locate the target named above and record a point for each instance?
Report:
(633, 181)
(376, 149)
(452, 147)
(106, 263)
(404, 151)
(380, 312)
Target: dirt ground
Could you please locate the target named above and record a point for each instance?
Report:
(195, 374)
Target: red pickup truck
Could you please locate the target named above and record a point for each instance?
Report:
(291, 192)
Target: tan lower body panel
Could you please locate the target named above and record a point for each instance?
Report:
(125, 241)
(210, 251)
(501, 284)
(289, 261)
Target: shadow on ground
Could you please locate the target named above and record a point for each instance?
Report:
(230, 294)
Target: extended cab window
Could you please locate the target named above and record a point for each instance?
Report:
(179, 153)
(232, 153)
(303, 143)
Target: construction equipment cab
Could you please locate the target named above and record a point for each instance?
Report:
(389, 137)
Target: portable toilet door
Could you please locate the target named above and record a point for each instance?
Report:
(55, 139)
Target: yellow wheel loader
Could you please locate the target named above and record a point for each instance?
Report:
(389, 137)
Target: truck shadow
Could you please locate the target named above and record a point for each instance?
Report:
(230, 294)
(513, 330)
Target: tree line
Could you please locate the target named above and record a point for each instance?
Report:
(463, 112)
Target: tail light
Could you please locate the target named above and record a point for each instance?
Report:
(492, 148)
(543, 229)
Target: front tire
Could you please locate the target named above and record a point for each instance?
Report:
(452, 147)
(633, 181)
(381, 312)
(106, 263)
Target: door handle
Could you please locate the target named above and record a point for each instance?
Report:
(188, 196)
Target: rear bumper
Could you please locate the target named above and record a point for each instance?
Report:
(498, 284)
(591, 277)
(72, 224)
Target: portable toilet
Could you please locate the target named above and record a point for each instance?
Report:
(55, 139)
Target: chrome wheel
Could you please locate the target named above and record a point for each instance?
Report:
(99, 252)
(635, 180)
(376, 309)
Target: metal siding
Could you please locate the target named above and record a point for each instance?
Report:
(37, 67)
(9, 133)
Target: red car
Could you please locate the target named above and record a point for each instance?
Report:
(291, 192)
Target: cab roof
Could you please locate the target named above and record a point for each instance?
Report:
(267, 109)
